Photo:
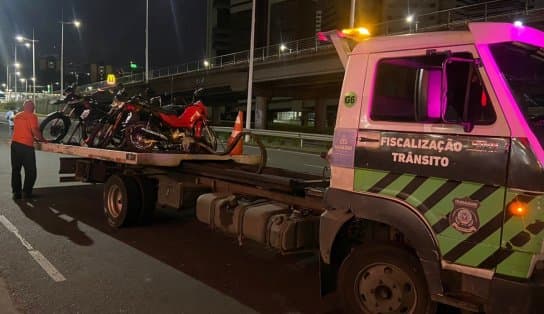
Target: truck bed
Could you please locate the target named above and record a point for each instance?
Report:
(142, 159)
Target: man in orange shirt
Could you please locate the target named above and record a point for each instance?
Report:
(25, 131)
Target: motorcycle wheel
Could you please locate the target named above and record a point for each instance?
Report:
(55, 127)
(208, 137)
(99, 138)
(137, 140)
(118, 139)
(88, 131)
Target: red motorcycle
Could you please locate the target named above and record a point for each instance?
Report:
(173, 128)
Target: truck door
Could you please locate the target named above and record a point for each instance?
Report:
(433, 137)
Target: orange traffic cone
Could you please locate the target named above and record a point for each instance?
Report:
(238, 128)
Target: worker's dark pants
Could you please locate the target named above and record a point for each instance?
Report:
(22, 156)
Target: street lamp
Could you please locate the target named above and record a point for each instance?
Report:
(28, 42)
(23, 80)
(77, 24)
(410, 19)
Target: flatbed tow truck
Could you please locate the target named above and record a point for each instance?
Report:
(436, 192)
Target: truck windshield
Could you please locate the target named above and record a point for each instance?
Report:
(522, 66)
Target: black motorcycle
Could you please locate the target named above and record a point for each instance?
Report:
(85, 111)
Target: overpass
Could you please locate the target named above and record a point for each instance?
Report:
(300, 81)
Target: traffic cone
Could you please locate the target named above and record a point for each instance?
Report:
(238, 128)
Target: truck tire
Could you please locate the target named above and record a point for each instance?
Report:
(149, 190)
(383, 279)
(122, 201)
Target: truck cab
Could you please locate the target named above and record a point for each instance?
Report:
(437, 179)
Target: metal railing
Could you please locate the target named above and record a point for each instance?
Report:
(455, 17)
(442, 19)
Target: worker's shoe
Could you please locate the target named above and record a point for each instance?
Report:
(16, 196)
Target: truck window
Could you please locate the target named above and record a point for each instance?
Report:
(479, 109)
(409, 89)
(525, 78)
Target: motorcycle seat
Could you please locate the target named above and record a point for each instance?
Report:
(172, 110)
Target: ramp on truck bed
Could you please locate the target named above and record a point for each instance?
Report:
(143, 159)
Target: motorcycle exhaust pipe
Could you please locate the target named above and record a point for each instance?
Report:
(157, 136)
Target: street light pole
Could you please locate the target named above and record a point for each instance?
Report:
(15, 74)
(146, 41)
(250, 77)
(61, 56)
(25, 40)
(7, 77)
(77, 24)
(33, 68)
(352, 14)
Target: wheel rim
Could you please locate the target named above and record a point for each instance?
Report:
(54, 129)
(385, 288)
(210, 136)
(139, 139)
(115, 201)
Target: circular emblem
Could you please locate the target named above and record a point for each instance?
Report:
(350, 99)
(464, 217)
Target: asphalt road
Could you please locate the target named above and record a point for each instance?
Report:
(59, 256)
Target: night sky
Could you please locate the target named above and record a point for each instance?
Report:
(113, 31)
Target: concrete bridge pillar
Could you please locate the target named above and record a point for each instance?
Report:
(320, 115)
(261, 112)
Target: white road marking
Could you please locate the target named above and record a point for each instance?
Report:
(47, 266)
(54, 210)
(11, 228)
(66, 218)
(38, 257)
(30, 204)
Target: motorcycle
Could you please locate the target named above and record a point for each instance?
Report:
(111, 127)
(172, 128)
(85, 110)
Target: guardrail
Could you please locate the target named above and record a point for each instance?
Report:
(301, 137)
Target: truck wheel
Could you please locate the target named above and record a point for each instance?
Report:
(149, 190)
(122, 201)
(383, 279)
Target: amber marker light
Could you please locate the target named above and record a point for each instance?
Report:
(357, 32)
(518, 208)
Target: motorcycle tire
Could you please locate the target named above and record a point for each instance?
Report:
(56, 132)
(98, 138)
(208, 138)
(136, 140)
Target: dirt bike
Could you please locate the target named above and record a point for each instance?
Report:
(111, 127)
(172, 128)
